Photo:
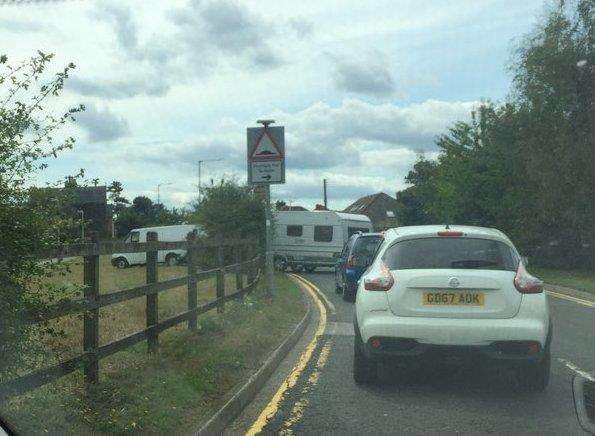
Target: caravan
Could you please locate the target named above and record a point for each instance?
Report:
(310, 239)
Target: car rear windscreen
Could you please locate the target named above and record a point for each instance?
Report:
(450, 253)
(365, 247)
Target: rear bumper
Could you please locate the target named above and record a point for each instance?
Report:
(496, 338)
(497, 350)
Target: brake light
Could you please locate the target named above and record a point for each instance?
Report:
(450, 233)
(382, 282)
(525, 283)
(351, 261)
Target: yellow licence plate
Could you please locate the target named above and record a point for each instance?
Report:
(453, 299)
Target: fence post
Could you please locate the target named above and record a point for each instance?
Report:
(191, 260)
(152, 307)
(239, 277)
(91, 317)
(220, 274)
(249, 274)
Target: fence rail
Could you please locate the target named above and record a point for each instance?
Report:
(93, 301)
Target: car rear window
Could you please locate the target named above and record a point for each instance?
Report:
(450, 253)
(366, 246)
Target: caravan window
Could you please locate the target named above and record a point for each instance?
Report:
(323, 233)
(352, 230)
(294, 230)
(133, 237)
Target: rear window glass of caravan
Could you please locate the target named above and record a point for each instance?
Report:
(294, 230)
(352, 230)
(323, 233)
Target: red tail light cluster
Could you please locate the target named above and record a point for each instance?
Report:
(382, 281)
(351, 261)
(525, 283)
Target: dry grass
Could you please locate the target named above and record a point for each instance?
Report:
(119, 320)
(175, 389)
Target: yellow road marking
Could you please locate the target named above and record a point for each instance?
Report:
(328, 302)
(573, 299)
(271, 408)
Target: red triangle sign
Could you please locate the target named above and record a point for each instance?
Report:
(266, 148)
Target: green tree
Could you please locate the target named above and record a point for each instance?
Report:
(230, 209)
(27, 141)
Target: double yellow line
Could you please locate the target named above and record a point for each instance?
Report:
(571, 298)
(273, 406)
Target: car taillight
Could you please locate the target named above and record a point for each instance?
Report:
(351, 261)
(382, 281)
(525, 283)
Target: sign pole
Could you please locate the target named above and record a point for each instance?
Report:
(266, 166)
(269, 249)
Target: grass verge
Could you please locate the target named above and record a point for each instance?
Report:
(177, 388)
(581, 280)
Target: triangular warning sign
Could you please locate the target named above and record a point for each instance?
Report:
(266, 148)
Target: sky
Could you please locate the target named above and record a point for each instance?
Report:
(362, 88)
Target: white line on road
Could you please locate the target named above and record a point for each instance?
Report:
(570, 365)
(573, 299)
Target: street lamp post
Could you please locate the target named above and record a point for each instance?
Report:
(200, 162)
(159, 185)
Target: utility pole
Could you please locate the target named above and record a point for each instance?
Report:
(268, 228)
(159, 185)
(324, 193)
(200, 162)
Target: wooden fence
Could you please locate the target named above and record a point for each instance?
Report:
(247, 263)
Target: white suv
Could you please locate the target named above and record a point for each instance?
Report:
(441, 289)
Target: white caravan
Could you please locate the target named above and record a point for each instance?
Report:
(164, 233)
(309, 239)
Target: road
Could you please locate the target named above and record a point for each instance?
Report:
(443, 398)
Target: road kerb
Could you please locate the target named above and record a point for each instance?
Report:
(232, 409)
(273, 405)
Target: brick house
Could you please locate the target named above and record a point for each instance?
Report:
(381, 208)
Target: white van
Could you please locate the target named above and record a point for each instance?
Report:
(164, 233)
(310, 239)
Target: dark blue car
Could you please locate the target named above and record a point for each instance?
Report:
(356, 256)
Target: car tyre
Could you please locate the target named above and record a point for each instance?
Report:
(172, 259)
(365, 370)
(535, 376)
(310, 269)
(297, 268)
(338, 288)
(121, 263)
(348, 295)
(280, 264)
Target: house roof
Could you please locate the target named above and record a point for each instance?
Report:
(364, 203)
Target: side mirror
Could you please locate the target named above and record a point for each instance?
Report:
(583, 391)
(525, 260)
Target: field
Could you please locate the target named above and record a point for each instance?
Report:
(177, 387)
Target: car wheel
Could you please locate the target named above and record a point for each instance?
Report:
(535, 376)
(347, 294)
(338, 288)
(172, 260)
(310, 269)
(280, 264)
(364, 370)
(121, 263)
(297, 268)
